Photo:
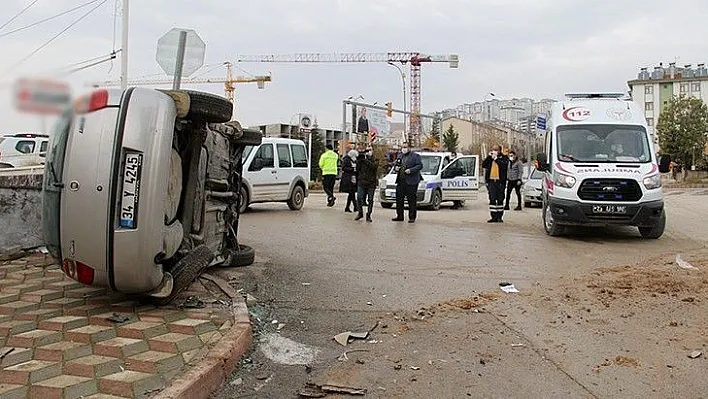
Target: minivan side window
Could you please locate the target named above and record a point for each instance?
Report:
(25, 146)
(43, 146)
(299, 156)
(284, 160)
(263, 159)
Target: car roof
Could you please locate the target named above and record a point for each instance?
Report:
(281, 140)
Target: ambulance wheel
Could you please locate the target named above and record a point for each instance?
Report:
(655, 231)
(549, 224)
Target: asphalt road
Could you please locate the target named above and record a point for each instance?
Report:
(445, 329)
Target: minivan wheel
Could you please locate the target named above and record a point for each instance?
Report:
(297, 199)
(243, 200)
(208, 107)
(655, 231)
(187, 270)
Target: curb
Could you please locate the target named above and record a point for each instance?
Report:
(209, 375)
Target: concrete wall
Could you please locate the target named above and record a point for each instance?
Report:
(20, 212)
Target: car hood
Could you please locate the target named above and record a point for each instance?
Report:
(390, 179)
(611, 170)
(533, 183)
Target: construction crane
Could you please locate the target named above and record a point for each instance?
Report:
(229, 81)
(415, 59)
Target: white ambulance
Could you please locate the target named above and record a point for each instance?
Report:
(600, 166)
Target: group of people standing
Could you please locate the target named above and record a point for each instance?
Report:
(359, 180)
(503, 175)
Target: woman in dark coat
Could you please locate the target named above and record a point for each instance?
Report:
(348, 182)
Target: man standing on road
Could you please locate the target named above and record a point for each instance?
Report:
(408, 167)
(495, 170)
(367, 182)
(516, 172)
(328, 166)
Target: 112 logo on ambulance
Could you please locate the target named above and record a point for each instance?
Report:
(576, 114)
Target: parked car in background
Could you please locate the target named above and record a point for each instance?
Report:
(141, 189)
(275, 171)
(23, 149)
(532, 189)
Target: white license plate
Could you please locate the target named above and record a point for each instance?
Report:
(610, 209)
(131, 190)
(390, 193)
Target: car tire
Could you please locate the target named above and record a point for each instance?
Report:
(243, 200)
(174, 187)
(436, 201)
(208, 107)
(297, 198)
(187, 270)
(458, 204)
(245, 256)
(655, 231)
(549, 225)
(250, 137)
(386, 205)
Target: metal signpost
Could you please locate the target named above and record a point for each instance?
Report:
(180, 52)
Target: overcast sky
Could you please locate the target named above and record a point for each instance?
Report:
(514, 48)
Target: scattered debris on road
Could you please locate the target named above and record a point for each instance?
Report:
(695, 354)
(344, 338)
(683, 264)
(282, 350)
(117, 318)
(508, 287)
(320, 391)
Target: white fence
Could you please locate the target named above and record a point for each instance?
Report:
(22, 170)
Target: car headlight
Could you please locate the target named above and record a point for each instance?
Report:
(382, 183)
(421, 185)
(652, 182)
(563, 180)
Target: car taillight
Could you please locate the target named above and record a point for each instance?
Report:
(78, 271)
(92, 102)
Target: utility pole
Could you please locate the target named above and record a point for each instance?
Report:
(124, 48)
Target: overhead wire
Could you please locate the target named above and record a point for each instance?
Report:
(32, 25)
(45, 44)
(19, 13)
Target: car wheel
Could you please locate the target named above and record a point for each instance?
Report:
(187, 270)
(208, 107)
(549, 224)
(174, 187)
(436, 201)
(655, 231)
(243, 200)
(250, 137)
(297, 199)
(245, 256)
(386, 205)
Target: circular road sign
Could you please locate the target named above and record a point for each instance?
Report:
(193, 52)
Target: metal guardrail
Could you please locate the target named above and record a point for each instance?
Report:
(22, 170)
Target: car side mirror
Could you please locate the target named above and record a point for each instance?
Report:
(542, 162)
(665, 164)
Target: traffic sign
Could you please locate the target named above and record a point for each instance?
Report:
(541, 122)
(167, 49)
(41, 96)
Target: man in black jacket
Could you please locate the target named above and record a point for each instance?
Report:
(367, 180)
(495, 167)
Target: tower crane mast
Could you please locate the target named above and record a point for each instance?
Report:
(415, 59)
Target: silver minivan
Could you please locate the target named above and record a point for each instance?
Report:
(139, 189)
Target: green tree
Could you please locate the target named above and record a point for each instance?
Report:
(435, 131)
(450, 139)
(682, 127)
(318, 147)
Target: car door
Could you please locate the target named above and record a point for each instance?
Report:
(460, 181)
(286, 172)
(262, 174)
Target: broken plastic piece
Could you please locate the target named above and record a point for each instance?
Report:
(683, 264)
(508, 287)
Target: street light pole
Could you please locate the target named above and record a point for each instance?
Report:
(403, 81)
(489, 106)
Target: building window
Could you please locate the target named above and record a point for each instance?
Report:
(649, 106)
(650, 121)
(684, 87)
(648, 89)
(695, 87)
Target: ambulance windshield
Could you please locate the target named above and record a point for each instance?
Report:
(603, 143)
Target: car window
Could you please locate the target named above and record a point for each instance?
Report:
(25, 146)
(536, 174)
(299, 156)
(284, 160)
(43, 146)
(466, 166)
(264, 157)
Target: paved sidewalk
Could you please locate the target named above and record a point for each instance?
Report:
(60, 339)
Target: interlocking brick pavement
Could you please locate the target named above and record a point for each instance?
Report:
(61, 340)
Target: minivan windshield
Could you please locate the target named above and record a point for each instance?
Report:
(603, 143)
(431, 165)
